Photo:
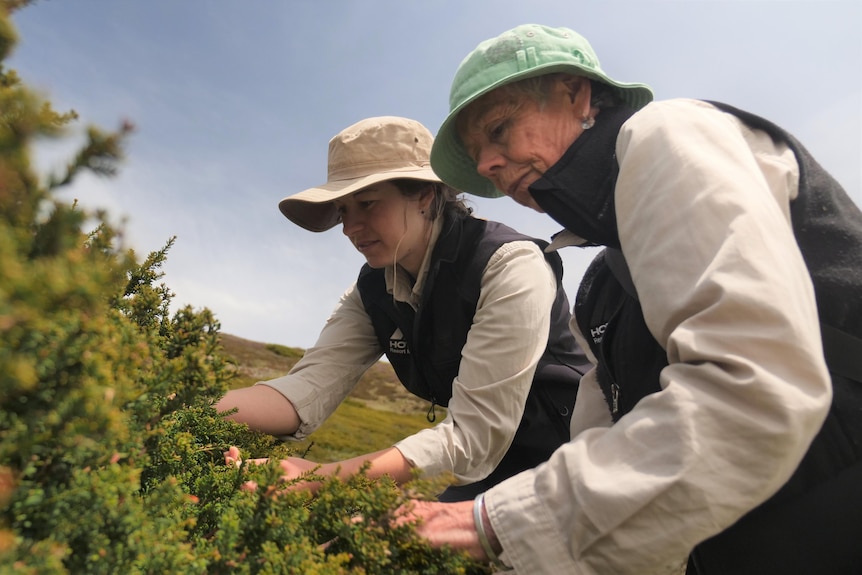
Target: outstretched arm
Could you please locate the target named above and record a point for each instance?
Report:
(317, 384)
(387, 461)
(505, 342)
(262, 408)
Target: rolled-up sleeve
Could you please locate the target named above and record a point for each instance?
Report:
(703, 213)
(505, 342)
(330, 369)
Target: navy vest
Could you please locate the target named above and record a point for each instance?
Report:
(814, 523)
(424, 346)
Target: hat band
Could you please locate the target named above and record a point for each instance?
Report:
(354, 171)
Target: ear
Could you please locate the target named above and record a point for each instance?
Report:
(580, 90)
(427, 197)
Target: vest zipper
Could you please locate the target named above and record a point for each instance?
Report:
(431, 416)
(615, 398)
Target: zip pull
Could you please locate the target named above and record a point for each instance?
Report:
(615, 398)
(431, 416)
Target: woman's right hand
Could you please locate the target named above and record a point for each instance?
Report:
(292, 467)
(295, 467)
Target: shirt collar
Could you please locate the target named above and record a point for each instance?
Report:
(564, 239)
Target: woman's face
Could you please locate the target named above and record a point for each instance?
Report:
(386, 226)
(514, 138)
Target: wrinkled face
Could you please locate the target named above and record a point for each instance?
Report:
(386, 226)
(514, 137)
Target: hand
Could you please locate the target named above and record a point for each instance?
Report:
(233, 457)
(293, 468)
(445, 524)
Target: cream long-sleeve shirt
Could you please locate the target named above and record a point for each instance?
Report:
(702, 207)
(508, 337)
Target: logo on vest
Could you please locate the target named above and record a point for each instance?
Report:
(598, 332)
(397, 344)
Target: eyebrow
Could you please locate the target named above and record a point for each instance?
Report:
(482, 117)
(492, 100)
(476, 123)
(469, 122)
(467, 125)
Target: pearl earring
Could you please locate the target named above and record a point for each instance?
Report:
(588, 123)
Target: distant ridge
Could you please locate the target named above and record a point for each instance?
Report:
(378, 388)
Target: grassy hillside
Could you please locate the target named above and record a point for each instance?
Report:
(378, 412)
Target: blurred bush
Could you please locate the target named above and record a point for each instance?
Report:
(111, 454)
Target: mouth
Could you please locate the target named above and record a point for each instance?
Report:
(364, 245)
(519, 188)
(519, 191)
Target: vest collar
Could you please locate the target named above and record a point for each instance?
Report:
(578, 191)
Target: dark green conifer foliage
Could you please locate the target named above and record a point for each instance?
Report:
(111, 455)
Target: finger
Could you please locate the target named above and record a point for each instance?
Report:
(233, 456)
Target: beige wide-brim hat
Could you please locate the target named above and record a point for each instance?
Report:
(368, 152)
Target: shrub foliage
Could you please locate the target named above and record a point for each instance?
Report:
(111, 454)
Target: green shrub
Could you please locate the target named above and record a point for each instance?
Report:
(111, 454)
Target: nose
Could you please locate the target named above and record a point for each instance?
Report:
(350, 222)
(488, 161)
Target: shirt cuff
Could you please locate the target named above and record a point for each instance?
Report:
(526, 529)
(425, 452)
(303, 402)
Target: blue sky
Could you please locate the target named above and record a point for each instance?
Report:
(235, 102)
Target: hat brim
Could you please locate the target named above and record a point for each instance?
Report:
(449, 158)
(313, 209)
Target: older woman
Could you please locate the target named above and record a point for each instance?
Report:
(711, 377)
(471, 314)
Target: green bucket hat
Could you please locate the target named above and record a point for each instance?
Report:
(522, 52)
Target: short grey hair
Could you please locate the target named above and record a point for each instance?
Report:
(539, 88)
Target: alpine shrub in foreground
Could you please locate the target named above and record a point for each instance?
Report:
(111, 455)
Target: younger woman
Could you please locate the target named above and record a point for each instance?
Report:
(471, 314)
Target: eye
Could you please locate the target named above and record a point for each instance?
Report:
(365, 204)
(496, 131)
